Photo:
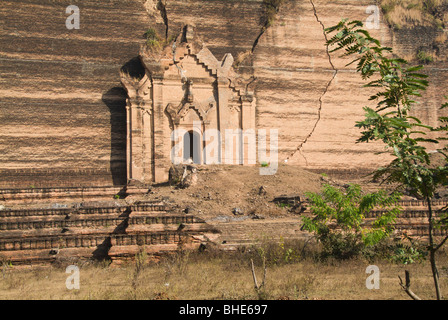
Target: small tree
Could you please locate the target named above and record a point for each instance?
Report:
(390, 122)
(339, 220)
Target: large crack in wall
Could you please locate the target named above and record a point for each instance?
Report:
(319, 111)
(270, 11)
(161, 6)
(155, 8)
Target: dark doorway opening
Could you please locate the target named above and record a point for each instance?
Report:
(192, 147)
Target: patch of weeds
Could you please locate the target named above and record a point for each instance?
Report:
(153, 40)
(271, 8)
(278, 252)
(424, 57)
(6, 266)
(303, 288)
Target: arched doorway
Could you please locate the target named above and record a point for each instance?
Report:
(192, 147)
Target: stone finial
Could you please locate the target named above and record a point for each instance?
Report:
(188, 33)
(190, 91)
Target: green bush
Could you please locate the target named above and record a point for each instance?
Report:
(339, 219)
(340, 246)
(405, 254)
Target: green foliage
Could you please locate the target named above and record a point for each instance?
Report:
(391, 122)
(409, 13)
(443, 127)
(152, 38)
(407, 254)
(155, 42)
(340, 246)
(339, 223)
(284, 205)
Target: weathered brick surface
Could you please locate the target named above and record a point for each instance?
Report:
(62, 105)
(45, 235)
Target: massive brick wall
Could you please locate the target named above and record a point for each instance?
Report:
(314, 98)
(61, 102)
(311, 97)
(62, 106)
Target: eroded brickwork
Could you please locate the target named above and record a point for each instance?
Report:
(62, 106)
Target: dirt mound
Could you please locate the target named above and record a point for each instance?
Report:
(238, 190)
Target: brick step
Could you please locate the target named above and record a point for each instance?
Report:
(420, 230)
(82, 232)
(58, 222)
(55, 194)
(112, 226)
(126, 252)
(40, 234)
(413, 205)
(80, 221)
(167, 227)
(115, 253)
(44, 256)
(138, 237)
(33, 234)
(422, 204)
(50, 242)
(138, 209)
(235, 243)
(403, 222)
(405, 214)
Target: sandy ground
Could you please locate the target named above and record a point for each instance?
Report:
(221, 189)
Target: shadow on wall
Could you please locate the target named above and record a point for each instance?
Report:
(115, 100)
(102, 250)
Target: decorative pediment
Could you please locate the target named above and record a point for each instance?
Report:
(177, 113)
(187, 43)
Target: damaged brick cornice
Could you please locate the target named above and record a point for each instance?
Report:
(319, 111)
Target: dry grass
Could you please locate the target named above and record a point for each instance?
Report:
(441, 38)
(242, 56)
(217, 275)
(411, 13)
